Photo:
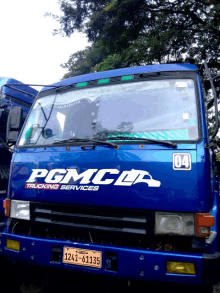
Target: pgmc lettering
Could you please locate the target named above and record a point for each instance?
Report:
(66, 176)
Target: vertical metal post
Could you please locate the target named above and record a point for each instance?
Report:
(215, 100)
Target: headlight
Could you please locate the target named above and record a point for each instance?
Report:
(178, 223)
(20, 209)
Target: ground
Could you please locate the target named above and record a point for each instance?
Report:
(17, 280)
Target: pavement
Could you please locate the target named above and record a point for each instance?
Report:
(17, 279)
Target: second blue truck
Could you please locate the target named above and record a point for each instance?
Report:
(13, 94)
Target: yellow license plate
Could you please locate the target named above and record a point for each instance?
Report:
(82, 257)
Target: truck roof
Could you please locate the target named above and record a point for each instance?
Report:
(16, 94)
(125, 71)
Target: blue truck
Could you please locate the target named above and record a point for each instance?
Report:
(114, 173)
(13, 94)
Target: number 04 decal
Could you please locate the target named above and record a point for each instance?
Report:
(182, 161)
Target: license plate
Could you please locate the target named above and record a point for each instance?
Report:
(82, 257)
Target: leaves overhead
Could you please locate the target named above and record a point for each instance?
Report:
(145, 31)
(126, 33)
(81, 62)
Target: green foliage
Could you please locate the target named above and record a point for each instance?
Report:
(111, 62)
(218, 157)
(126, 33)
(211, 128)
(111, 5)
(143, 31)
(82, 62)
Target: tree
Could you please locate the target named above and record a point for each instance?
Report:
(83, 61)
(126, 33)
(145, 31)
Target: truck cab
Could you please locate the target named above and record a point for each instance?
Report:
(113, 174)
(10, 97)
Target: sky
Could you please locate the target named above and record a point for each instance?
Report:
(28, 50)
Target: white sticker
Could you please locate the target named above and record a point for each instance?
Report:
(181, 84)
(182, 161)
(185, 116)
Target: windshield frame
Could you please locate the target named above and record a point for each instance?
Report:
(137, 78)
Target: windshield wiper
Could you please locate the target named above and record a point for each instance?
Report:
(114, 145)
(121, 137)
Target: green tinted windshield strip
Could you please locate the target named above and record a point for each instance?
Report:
(81, 84)
(101, 81)
(159, 135)
(127, 77)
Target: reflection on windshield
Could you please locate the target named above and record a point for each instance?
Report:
(159, 109)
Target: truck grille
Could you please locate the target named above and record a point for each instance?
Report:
(99, 225)
(94, 218)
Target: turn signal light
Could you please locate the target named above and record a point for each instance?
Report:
(203, 222)
(185, 268)
(6, 206)
(12, 244)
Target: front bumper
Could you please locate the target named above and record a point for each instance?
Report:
(131, 263)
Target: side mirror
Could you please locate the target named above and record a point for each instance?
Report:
(14, 124)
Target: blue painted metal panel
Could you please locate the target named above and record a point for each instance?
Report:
(126, 71)
(15, 94)
(178, 190)
(130, 265)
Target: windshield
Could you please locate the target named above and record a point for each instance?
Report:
(156, 109)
